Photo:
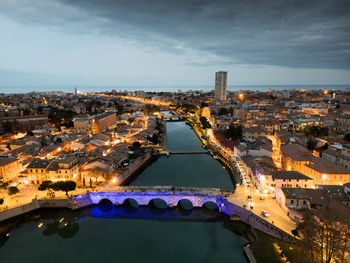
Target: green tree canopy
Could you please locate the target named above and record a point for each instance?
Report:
(204, 122)
(311, 144)
(223, 111)
(136, 145)
(315, 131)
(65, 186)
(12, 190)
(45, 185)
(347, 137)
(234, 133)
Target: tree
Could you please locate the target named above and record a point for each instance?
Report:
(188, 107)
(234, 133)
(311, 144)
(136, 145)
(4, 185)
(153, 138)
(223, 111)
(30, 133)
(204, 104)
(150, 109)
(45, 185)
(12, 190)
(131, 120)
(204, 122)
(347, 137)
(325, 235)
(65, 186)
(315, 131)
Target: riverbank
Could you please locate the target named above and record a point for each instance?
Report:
(221, 158)
(137, 168)
(128, 175)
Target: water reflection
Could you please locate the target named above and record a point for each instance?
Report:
(65, 223)
(153, 212)
(65, 229)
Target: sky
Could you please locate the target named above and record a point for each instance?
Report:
(52, 43)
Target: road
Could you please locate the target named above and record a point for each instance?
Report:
(240, 197)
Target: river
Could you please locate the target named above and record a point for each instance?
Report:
(144, 234)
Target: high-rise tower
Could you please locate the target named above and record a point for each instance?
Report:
(220, 86)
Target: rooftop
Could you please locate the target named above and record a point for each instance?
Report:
(289, 175)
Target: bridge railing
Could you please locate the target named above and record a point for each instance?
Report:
(172, 189)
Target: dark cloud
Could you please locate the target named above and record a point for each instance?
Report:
(300, 33)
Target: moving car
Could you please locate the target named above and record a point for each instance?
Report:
(262, 197)
(265, 214)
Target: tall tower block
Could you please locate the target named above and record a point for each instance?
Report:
(220, 86)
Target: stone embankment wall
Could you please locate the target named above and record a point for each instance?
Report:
(45, 203)
(129, 173)
(255, 221)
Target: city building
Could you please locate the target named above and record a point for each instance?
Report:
(102, 122)
(220, 86)
(269, 181)
(22, 123)
(9, 168)
(40, 170)
(82, 124)
(295, 157)
(95, 124)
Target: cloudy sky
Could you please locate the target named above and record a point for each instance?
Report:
(182, 42)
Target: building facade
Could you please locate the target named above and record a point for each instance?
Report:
(220, 86)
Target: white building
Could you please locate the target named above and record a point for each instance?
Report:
(220, 86)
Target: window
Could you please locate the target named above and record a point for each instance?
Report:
(292, 201)
(304, 202)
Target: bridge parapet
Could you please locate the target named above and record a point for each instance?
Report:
(165, 189)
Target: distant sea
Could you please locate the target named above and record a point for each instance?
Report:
(157, 88)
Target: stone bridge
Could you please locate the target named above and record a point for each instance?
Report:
(144, 195)
(172, 196)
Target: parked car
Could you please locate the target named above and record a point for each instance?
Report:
(262, 197)
(250, 199)
(265, 214)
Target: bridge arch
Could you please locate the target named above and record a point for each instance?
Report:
(130, 202)
(185, 204)
(105, 205)
(210, 205)
(158, 203)
(105, 201)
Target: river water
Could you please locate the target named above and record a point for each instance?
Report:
(126, 234)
